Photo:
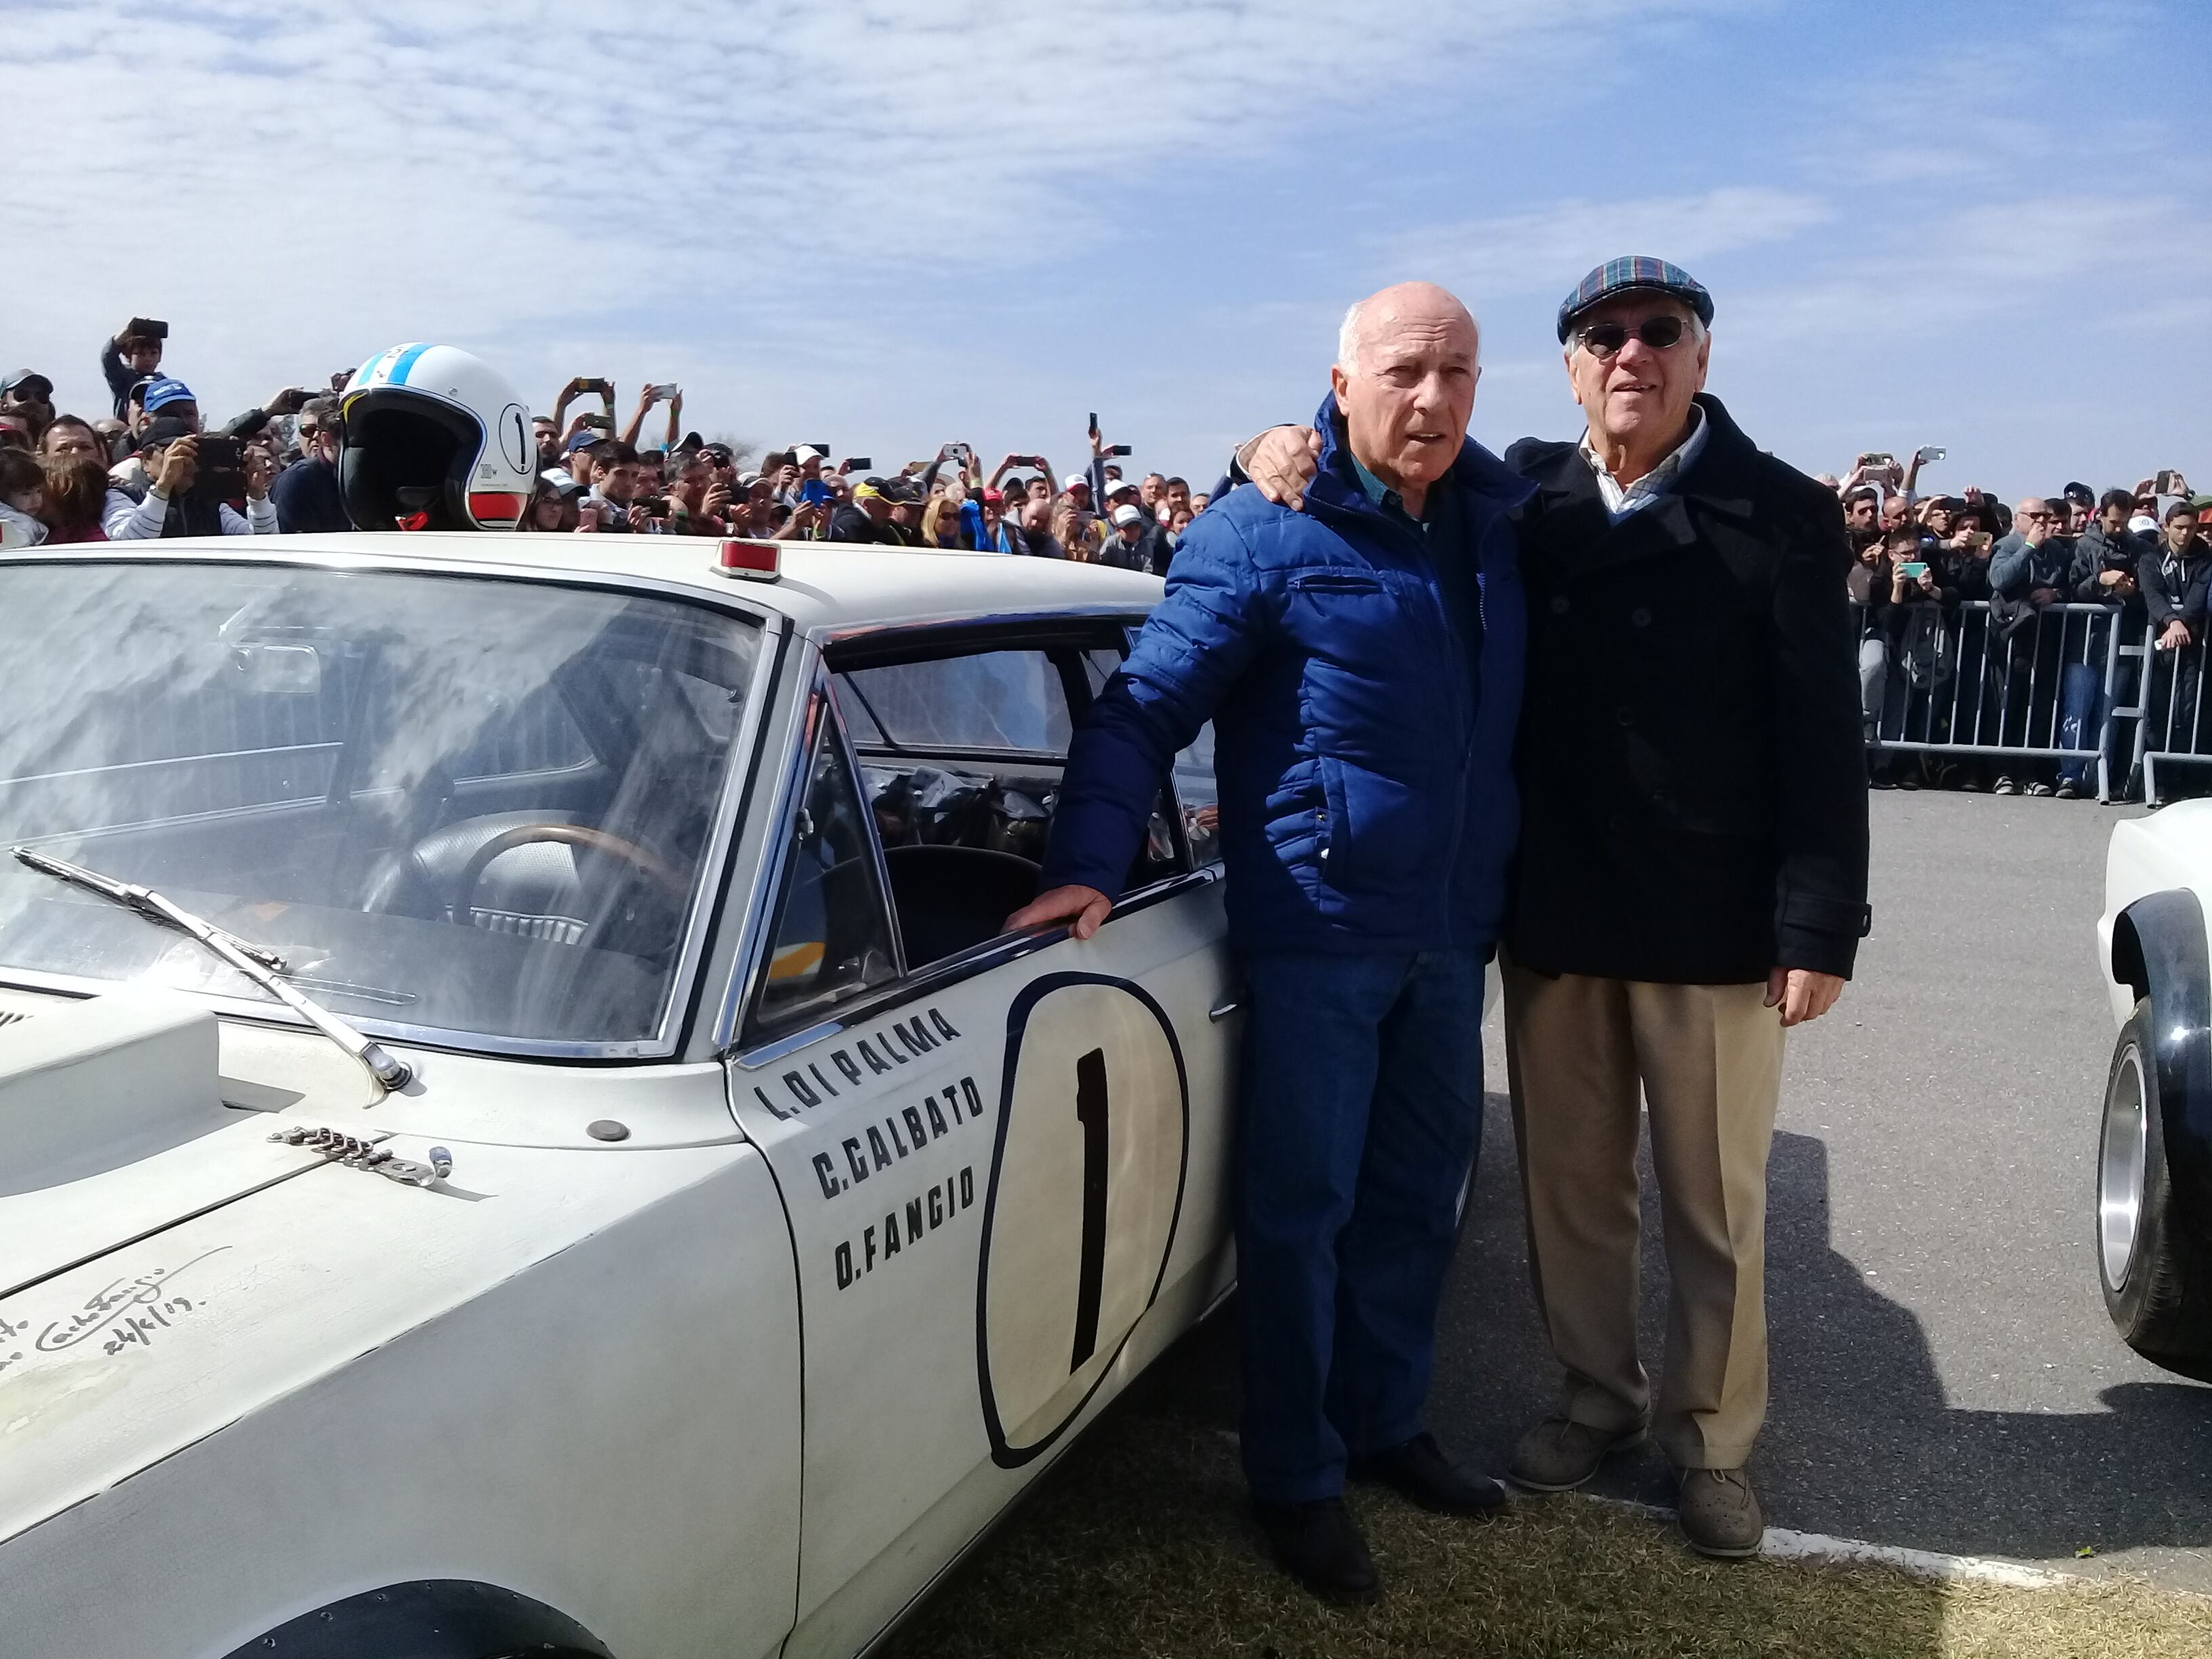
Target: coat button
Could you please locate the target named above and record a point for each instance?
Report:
(1558, 605)
(1640, 616)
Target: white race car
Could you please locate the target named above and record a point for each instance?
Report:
(518, 1128)
(2155, 1151)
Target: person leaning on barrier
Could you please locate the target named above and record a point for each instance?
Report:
(2176, 584)
(1692, 878)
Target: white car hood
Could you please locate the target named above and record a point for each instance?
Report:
(146, 1305)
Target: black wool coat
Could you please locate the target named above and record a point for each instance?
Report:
(1692, 775)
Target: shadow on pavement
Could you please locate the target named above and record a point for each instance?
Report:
(1860, 1442)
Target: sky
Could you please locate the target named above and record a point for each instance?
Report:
(889, 225)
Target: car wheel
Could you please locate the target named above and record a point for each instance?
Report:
(2155, 1280)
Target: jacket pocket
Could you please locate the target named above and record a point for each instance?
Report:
(1379, 831)
(1334, 581)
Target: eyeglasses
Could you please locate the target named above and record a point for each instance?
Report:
(2035, 515)
(1603, 339)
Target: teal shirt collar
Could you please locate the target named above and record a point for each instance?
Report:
(1378, 494)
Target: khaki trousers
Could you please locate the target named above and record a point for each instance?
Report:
(1709, 1059)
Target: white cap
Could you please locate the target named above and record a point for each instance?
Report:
(806, 452)
(1120, 487)
(1126, 514)
(1075, 478)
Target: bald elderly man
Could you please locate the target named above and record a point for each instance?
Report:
(1361, 661)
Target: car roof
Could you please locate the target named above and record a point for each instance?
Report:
(826, 588)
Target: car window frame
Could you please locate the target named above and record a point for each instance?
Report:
(748, 1050)
(717, 860)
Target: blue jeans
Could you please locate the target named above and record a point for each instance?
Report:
(1360, 1114)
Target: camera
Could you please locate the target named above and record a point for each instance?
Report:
(656, 507)
(219, 472)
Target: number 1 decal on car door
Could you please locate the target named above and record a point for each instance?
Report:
(1080, 1210)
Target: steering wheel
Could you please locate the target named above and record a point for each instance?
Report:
(669, 879)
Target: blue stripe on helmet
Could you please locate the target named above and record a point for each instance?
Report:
(399, 375)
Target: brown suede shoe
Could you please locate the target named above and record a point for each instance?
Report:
(1560, 1454)
(1718, 1513)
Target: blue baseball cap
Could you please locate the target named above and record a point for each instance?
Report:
(162, 391)
(1636, 271)
(583, 439)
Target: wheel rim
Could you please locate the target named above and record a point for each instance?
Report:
(2120, 1168)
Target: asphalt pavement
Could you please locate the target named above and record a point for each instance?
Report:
(1944, 1375)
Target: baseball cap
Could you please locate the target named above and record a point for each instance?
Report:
(806, 452)
(1120, 487)
(996, 497)
(23, 380)
(161, 392)
(1635, 273)
(1126, 513)
(747, 480)
(1073, 479)
(583, 439)
(561, 483)
(2080, 494)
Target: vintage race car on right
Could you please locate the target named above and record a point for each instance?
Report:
(2154, 1150)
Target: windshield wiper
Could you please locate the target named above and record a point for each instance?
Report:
(257, 963)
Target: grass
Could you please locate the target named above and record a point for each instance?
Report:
(1138, 1546)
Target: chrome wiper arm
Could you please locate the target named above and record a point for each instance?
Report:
(257, 963)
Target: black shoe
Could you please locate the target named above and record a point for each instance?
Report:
(1318, 1545)
(2070, 790)
(1419, 1471)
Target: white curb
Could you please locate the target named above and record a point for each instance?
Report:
(1781, 1544)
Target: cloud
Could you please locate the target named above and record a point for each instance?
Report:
(1544, 251)
(298, 186)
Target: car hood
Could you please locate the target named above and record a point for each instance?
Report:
(160, 1295)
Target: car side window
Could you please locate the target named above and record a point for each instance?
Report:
(832, 936)
(1201, 798)
(985, 700)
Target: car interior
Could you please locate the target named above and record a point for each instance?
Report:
(959, 750)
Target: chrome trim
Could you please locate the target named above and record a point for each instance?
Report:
(709, 882)
(791, 785)
(713, 872)
(963, 965)
(2123, 1149)
(1233, 1004)
(867, 819)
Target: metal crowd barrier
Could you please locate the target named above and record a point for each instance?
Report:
(2067, 684)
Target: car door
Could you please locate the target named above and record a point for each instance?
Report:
(1003, 1156)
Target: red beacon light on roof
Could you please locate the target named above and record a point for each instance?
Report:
(750, 561)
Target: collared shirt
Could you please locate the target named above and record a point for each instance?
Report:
(1621, 499)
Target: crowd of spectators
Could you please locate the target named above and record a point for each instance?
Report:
(130, 473)
(1963, 601)
(1972, 629)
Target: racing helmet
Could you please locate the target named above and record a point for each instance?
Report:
(432, 438)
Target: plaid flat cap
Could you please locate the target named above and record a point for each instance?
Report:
(1637, 270)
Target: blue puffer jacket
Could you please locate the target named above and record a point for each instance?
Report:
(1367, 797)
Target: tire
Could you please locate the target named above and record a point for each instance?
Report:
(2156, 1280)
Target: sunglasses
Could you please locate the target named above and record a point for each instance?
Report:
(1603, 339)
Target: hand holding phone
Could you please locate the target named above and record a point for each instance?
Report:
(2169, 483)
(1928, 452)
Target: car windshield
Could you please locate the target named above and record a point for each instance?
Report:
(465, 804)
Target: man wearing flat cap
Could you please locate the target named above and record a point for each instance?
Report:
(1692, 877)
